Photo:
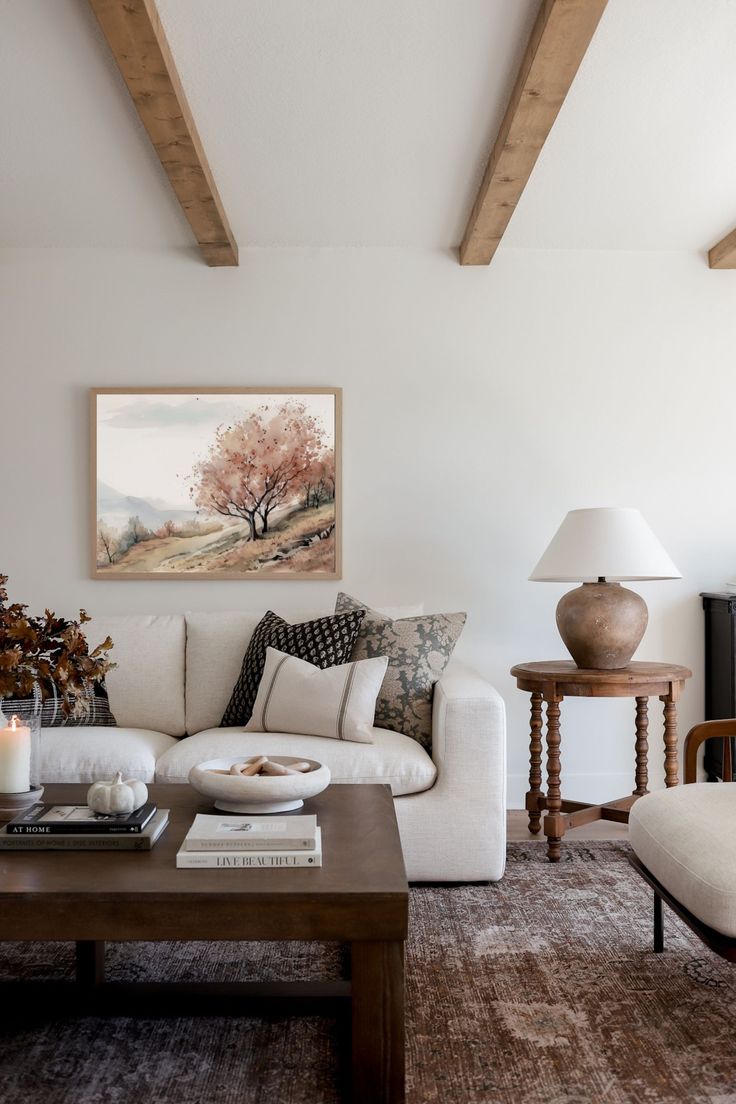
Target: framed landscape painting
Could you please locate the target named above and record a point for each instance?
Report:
(216, 483)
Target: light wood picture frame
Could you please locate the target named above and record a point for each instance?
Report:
(216, 483)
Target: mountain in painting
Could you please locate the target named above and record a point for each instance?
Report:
(115, 508)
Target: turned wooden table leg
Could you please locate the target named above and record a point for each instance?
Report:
(554, 828)
(670, 740)
(642, 747)
(535, 763)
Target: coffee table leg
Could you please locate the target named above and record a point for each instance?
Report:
(90, 963)
(554, 828)
(378, 1022)
(642, 747)
(535, 763)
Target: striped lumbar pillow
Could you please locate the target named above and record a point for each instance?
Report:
(339, 702)
(96, 714)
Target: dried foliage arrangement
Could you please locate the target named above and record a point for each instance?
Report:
(51, 653)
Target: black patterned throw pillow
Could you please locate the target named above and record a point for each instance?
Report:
(325, 642)
(98, 713)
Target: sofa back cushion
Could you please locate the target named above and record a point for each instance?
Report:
(216, 644)
(146, 688)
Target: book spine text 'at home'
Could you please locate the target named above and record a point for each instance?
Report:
(77, 842)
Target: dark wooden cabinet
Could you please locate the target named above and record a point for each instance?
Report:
(720, 674)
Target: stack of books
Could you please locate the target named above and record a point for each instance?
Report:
(223, 842)
(77, 828)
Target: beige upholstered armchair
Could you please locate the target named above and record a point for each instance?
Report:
(684, 846)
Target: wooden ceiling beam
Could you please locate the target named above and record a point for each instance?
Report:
(723, 255)
(136, 37)
(558, 42)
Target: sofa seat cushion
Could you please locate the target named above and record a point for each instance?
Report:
(88, 754)
(392, 759)
(685, 838)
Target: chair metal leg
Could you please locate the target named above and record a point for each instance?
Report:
(658, 925)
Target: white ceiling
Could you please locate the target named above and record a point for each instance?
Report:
(346, 122)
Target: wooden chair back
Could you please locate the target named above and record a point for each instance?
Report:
(706, 731)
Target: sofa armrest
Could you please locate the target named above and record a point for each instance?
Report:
(468, 721)
(462, 837)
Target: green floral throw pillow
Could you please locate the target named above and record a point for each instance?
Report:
(418, 650)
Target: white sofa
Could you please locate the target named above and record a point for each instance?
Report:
(173, 679)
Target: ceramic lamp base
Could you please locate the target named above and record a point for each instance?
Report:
(602, 624)
(13, 804)
(258, 806)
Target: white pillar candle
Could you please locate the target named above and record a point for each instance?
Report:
(15, 758)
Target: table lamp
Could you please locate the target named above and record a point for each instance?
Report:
(601, 622)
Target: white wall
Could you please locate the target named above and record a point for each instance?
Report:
(479, 406)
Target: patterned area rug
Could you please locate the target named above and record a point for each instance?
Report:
(541, 989)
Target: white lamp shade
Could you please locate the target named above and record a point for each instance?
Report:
(608, 542)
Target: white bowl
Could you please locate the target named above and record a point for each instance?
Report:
(260, 793)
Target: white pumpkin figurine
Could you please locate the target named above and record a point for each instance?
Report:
(118, 797)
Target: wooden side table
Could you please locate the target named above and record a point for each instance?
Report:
(551, 682)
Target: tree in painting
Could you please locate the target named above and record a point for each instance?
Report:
(317, 482)
(107, 544)
(258, 464)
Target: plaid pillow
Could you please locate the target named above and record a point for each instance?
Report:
(325, 642)
(52, 715)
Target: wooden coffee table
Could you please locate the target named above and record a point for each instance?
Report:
(358, 897)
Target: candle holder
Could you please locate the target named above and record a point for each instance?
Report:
(13, 804)
(21, 765)
(34, 723)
